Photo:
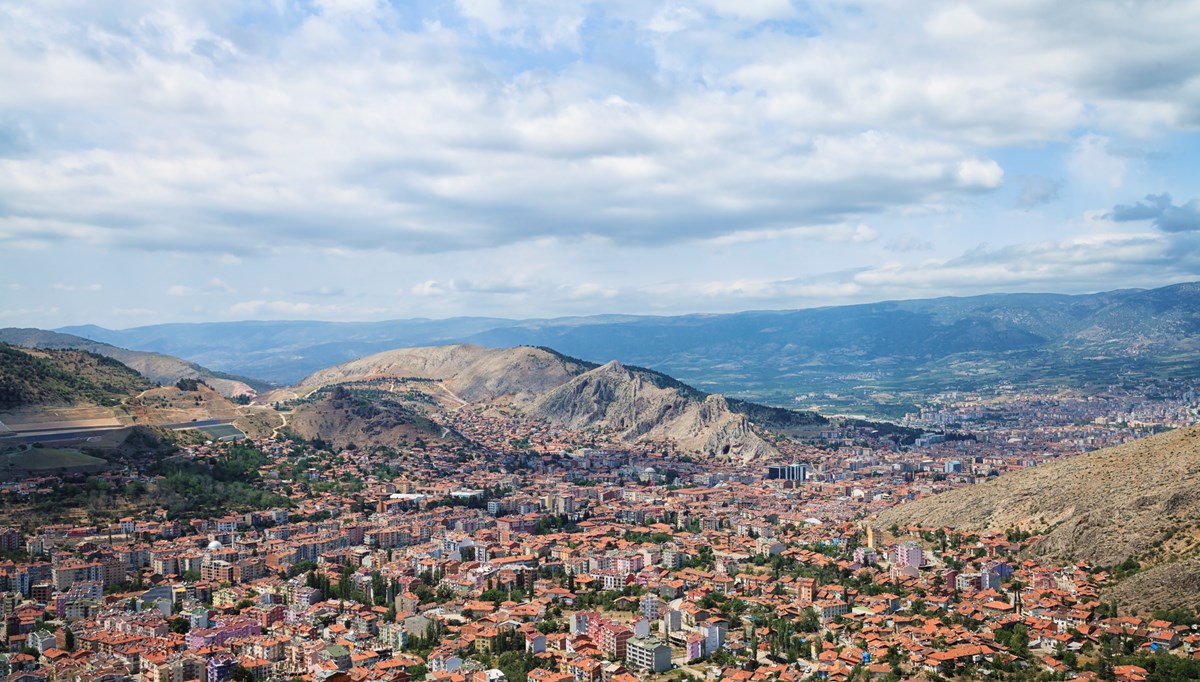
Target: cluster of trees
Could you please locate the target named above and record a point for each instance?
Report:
(554, 523)
(607, 599)
(63, 376)
(218, 486)
(656, 538)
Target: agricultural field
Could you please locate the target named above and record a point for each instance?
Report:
(48, 459)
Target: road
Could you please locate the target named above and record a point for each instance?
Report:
(462, 402)
(282, 424)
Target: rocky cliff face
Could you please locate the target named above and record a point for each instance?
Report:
(634, 406)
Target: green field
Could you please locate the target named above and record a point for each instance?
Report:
(46, 459)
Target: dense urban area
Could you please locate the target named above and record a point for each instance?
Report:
(540, 555)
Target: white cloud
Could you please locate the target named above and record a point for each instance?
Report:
(61, 286)
(1092, 163)
(529, 153)
(859, 234)
(214, 286)
(427, 288)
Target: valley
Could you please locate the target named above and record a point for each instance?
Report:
(1007, 528)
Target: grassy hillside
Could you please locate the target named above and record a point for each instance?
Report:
(30, 378)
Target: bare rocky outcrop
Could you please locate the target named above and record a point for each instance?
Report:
(636, 407)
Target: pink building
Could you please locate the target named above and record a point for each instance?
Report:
(695, 647)
(225, 631)
(907, 554)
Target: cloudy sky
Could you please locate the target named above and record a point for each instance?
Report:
(359, 159)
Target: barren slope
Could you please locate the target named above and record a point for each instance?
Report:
(1140, 500)
(633, 403)
(342, 417)
(635, 407)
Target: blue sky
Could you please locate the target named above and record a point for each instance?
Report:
(355, 159)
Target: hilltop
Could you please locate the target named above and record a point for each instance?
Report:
(1135, 501)
(472, 373)
(634, 406)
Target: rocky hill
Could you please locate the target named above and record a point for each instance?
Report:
(34, 378)
(343, 417)
(631, 403)
(158, 368)
(1140, 500)
(634, 406)
(473, 373)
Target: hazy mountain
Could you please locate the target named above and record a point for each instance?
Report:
(889, 347)
(162, 369)
(632, 403)
(1136, 500)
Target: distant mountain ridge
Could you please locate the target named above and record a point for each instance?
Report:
(930, 344)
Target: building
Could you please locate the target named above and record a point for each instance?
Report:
(614, 639)
(907, 554)
(219, 669)
(648, 654)
(787, 472)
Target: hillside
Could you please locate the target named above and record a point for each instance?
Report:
(35, 378)
(1138, 500)
(868, 354)
(343, 416)
(633, 406)
(473, 373)
(158, 368)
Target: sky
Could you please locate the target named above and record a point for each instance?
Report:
(362, 160)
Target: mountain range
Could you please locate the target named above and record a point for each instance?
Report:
(387, 399)
(873, 353)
